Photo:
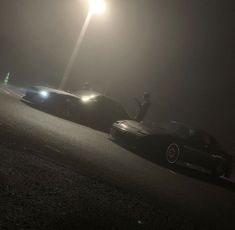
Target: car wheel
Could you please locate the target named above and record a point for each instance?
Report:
(172, 153)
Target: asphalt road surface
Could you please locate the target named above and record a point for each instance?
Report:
(183, 193)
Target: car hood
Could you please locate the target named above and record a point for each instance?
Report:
(37, 88)
(137, 127)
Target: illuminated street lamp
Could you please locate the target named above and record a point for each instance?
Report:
(95, 7)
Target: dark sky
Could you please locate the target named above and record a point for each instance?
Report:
(180, 51)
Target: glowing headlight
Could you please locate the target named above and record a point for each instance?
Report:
(44, 94)
(86, 98)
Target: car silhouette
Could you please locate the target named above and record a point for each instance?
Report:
(86, 107)
(175, 143)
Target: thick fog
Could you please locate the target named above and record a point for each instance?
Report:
(179, 51)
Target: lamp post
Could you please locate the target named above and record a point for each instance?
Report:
(95, 7)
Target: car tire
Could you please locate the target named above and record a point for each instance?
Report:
(172, 153)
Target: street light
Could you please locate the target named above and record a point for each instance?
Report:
(95, 7)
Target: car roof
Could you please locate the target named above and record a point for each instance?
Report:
(182, 129)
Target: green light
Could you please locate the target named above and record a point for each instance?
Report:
(6, 79)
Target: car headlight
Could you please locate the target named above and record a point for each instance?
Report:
(44, 94)
(88, 98)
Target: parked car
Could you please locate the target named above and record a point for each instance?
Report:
(175, 143)
(87, 107)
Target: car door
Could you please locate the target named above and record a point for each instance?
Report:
(196, 151)
(71, 105)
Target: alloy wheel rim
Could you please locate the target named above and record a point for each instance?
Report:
(172, 153)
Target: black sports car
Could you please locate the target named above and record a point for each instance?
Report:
(175, 143)
(86, 107)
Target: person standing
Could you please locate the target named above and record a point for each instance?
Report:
(143, 107)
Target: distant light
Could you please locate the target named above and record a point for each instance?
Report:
(97, 6)
(44, 94)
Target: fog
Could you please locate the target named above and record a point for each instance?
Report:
(179, 51)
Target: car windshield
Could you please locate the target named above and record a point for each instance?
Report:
(174, 128)
(107, 105)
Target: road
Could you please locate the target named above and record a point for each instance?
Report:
(92, 153)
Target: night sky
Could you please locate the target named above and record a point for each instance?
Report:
(180, 51)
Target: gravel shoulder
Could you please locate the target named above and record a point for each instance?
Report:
(38, 194)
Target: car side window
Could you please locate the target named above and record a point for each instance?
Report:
(72, 101)
(200, 140)
(196, 139)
